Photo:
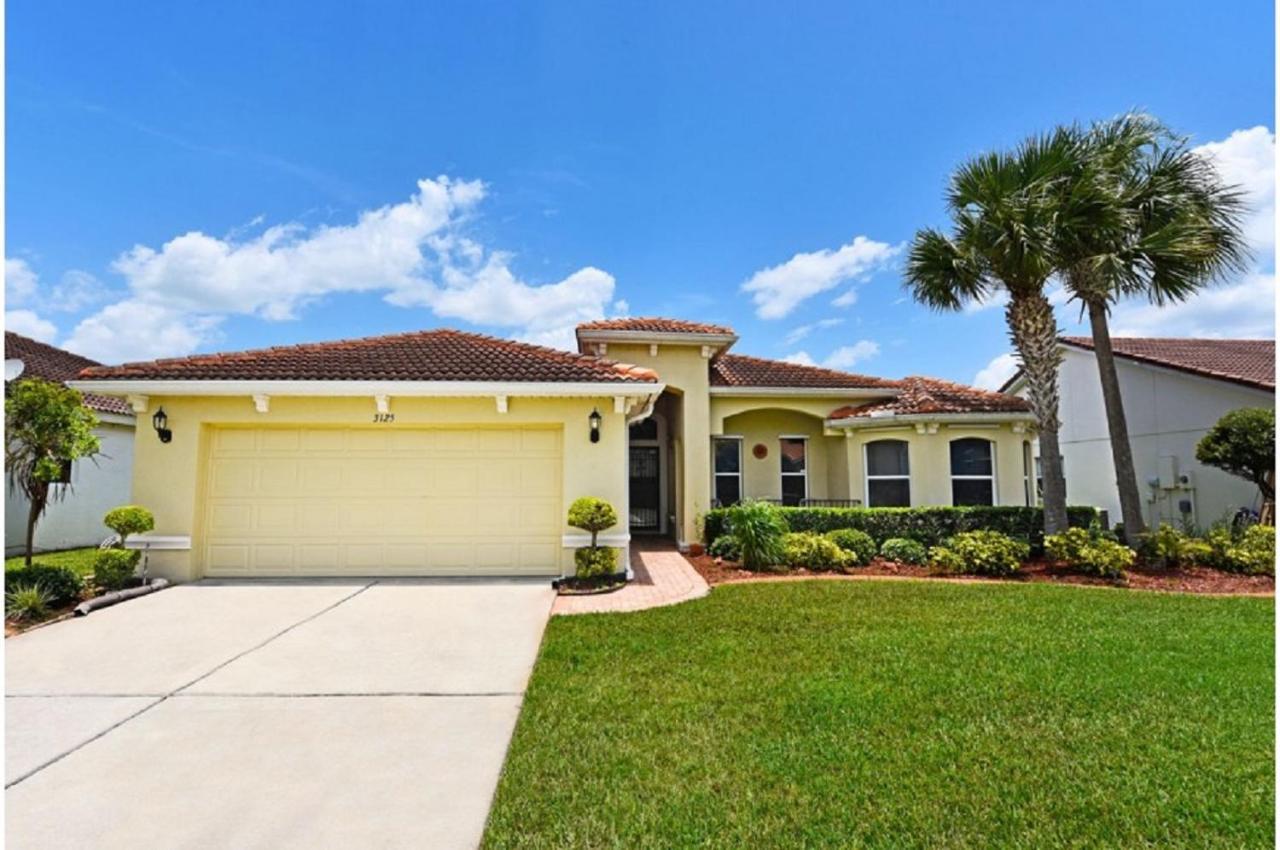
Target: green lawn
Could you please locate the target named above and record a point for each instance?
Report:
(847, 714)
(80, 560)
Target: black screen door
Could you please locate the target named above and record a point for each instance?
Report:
(644, 488)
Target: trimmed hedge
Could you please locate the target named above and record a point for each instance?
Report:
(61, 584)
(930, 526)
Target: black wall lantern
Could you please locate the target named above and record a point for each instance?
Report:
(594, 419)
(161, 422)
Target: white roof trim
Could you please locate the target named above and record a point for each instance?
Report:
(901, 418)
(456, 389)
(661, 337)
(823, 392)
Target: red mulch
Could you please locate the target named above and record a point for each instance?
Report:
(1178, 580)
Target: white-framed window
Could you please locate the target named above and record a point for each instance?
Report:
(973, 468)
(888, 474)
(793, 457)
(726, 466)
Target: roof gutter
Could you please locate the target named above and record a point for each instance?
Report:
(874, 421)
(823, 392)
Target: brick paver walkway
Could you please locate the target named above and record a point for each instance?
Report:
(662, 577)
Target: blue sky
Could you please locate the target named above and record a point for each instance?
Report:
(197, 177)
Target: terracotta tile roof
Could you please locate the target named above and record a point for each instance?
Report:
(923, 396)
(439, 355)
(41, 360)
(1251, 362)
(738, 370)
(655, 324)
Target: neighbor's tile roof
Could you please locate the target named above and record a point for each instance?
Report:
(1243, 361)
(738, 370)
(439, 355)
(923, 396)
(41, 360)
(655, 324)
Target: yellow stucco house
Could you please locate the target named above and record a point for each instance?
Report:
(450, 453)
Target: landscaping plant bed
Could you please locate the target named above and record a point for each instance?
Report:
(1175, 579)
(593, 586)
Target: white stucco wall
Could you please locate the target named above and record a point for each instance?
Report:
(1167, 413)
(97, 486)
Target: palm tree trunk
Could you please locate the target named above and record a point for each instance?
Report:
(1121, 449)
(1035, 336)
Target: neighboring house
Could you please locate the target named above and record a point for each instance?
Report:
(1174, 390)
(91, 486)
(444, 453)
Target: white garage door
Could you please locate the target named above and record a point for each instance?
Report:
(370, 501)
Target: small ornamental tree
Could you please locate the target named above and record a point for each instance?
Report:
(1243, 443)
(130, 519)
(594, 516)
(47, 427)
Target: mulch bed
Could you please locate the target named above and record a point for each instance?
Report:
(1177, 580)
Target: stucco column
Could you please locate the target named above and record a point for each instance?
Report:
(697, 464)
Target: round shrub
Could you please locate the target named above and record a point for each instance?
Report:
(813, 551)
(1090, 553)
(1253, 552)
(903, 550)
(591, 514)
(26, 602)
(592, 563)
(758, 527)
(1167, 547)
(129, 519)
(857, 544)
(113, 568)
(726, 546)
(62, 584)
(987, 553)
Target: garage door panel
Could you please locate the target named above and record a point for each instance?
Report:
(369, 501)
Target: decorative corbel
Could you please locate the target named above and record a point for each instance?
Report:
(383, 402)
(138, 403)
(502, 403)
(261, 402)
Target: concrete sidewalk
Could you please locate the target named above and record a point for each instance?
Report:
(270, 714)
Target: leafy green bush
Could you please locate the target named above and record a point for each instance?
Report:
(129, 519)
(904, 551)
(930, 526)
(981, 553)
(814, 552)
(113, 568)
(858, 544)
(1169, 547)
(592, 515)
(758, 528)
(1090, 553)
(725, 546)
(1252, 552)
(62, 584)
(592, 563)
(26, 602)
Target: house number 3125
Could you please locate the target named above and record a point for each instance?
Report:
(384, 417)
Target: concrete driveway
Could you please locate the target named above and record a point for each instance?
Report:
(343, 713)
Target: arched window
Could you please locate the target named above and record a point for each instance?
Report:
(888, 474)
(973, 467)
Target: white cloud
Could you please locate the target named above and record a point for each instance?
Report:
(800, 332)
(1247, 158)
(416, 253)
(27, 323)
(843, 358)
(846, 299)
(76, 291)
(20, 281)
(994, 374)
(777, 290)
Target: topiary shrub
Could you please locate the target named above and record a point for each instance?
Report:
(594, 563)
(62, 584)
(813, 551)
(26, 602)
(857, 544)
(758, 527)
(129, 519)
(1252, 552)
(113, 568)
(726, 547)
(1090, 553)
(987, 553)
(904, 551)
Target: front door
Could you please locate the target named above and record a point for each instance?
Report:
(645, 504)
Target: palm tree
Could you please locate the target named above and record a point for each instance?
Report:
(1167, 227)
(1006, 209)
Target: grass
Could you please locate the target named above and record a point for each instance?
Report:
(80, 560)
(852, 714)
